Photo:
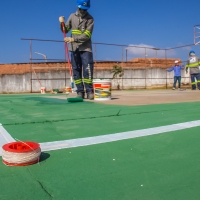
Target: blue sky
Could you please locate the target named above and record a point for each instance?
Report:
(154, 23)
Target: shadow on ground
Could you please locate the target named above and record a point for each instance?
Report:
(44, 156)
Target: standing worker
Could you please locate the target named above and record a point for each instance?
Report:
(177, 74)
(81, 25)
(193, 63)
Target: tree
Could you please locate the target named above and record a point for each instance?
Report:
(118, 72)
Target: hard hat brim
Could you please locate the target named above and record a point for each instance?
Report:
(83, 7)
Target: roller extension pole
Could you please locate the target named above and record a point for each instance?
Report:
(68, 59)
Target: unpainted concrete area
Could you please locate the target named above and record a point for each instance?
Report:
(144, 97)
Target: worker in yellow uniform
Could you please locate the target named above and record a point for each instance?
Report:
(193, 64)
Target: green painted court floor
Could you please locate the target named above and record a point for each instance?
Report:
(164, 166)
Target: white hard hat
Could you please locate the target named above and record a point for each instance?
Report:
(176, 61)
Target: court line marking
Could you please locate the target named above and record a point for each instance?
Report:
(5, 137)
(49, 146)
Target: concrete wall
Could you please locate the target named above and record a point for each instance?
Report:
(144, 78)
(132, 79)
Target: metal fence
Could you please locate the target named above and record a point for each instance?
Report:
(104, 52)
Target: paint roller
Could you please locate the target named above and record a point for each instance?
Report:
(73, 100)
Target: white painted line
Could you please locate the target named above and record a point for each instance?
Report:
(5, 137)
(49, 146)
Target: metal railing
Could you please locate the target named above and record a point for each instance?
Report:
(103, 52)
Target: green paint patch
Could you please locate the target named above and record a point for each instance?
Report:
(43, 119)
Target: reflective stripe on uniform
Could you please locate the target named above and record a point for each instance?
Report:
(193, 83)
(87, 80)
(88, 33)
(78, 32)
(193, 65)
(78, 81)
(67, 28)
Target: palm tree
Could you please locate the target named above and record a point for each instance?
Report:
(118, 72)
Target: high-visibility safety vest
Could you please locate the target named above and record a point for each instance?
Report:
(81, 30)
(193, 63)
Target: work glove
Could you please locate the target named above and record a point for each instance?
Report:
(62, 19)
(69, 39)
(62, 24)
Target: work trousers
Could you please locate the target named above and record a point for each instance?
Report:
(82, 66)
(197, 76)
(177, 78)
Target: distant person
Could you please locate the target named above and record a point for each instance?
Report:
(177, 74)
(193, 64)
(81, 25)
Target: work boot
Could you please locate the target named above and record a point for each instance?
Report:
(90, 96)
(80, 95)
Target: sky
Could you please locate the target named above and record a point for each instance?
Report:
(144, 23)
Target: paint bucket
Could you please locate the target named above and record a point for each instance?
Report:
(102, 89)
(56, 90)
(67, 89)
(43, 90)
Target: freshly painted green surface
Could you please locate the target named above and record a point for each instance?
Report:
(45, 119)
(157, 167)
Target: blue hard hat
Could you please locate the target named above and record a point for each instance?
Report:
(191, 51)
(83, 4)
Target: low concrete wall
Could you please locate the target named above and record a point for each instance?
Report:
(132, 79)
(15, 83)
(144, 78)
